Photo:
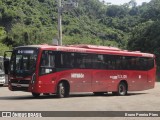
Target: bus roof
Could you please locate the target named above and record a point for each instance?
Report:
(90, 49)
(95, 47)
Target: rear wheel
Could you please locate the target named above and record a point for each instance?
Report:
(62, 90)
(36, 95)
(122, 89)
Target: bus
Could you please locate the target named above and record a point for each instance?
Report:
(2, 75)
(60, 70)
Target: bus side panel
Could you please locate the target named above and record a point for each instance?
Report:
(151, 78)
(137, 80)
(105, 80)
(45, 84)
(79, 79)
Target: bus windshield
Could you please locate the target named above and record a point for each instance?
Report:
(23, 62)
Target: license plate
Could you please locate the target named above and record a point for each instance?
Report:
(19, 86)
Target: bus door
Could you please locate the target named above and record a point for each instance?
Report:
(46, 70)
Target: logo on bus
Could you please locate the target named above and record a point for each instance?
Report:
(118, 77)
(77, 75)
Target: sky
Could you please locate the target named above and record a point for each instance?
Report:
(121, 2)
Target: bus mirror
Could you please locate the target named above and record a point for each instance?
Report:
(6, 62)
(6, 65)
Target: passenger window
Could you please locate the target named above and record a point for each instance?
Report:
(47, 62)
(67, 60)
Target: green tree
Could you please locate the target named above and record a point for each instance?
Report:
(2, 34)
(146, 38)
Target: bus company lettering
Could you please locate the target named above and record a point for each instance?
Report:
(77, 75)
(71, 50)
(118, 77)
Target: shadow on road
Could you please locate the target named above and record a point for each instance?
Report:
(29, 97)
(105, 95)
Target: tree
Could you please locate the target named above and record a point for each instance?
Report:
(2, 34)
(116, 11)
(3, 48)
(133, 3)
(146, 38)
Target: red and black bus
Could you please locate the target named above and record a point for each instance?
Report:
(45, 69)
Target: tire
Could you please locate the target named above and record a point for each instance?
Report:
(36, 95)
(62, 90)
(122, 89)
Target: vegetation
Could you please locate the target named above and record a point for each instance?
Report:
(126, 26)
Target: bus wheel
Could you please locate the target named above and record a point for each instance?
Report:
(62, 90)
(36, 95)
(122, 89)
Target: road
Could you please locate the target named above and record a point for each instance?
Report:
(148, 100)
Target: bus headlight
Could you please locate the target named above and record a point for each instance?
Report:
(33, 78)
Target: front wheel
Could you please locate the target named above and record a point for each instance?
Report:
(122, 89)
(36, 95)
(62, 90)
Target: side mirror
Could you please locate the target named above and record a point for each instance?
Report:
(6, 66)
(6, 62)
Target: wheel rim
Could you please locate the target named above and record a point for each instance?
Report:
(122, 89)
(62, 90)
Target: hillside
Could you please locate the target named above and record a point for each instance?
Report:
(34, 22)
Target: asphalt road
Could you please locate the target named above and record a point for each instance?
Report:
(148, 100)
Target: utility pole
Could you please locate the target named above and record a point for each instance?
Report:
(68, 4)
(60, 22)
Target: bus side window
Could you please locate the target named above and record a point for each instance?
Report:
(47, 62)
(67, 60)
(110, 62)
(101, 62)
(150, 63)
(79, 61)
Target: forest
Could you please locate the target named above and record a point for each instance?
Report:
(128, 26)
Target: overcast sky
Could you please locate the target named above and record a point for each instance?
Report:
(121, 2)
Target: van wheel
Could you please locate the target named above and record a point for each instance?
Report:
(122, 89)
(36, 95)
(62, 90)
